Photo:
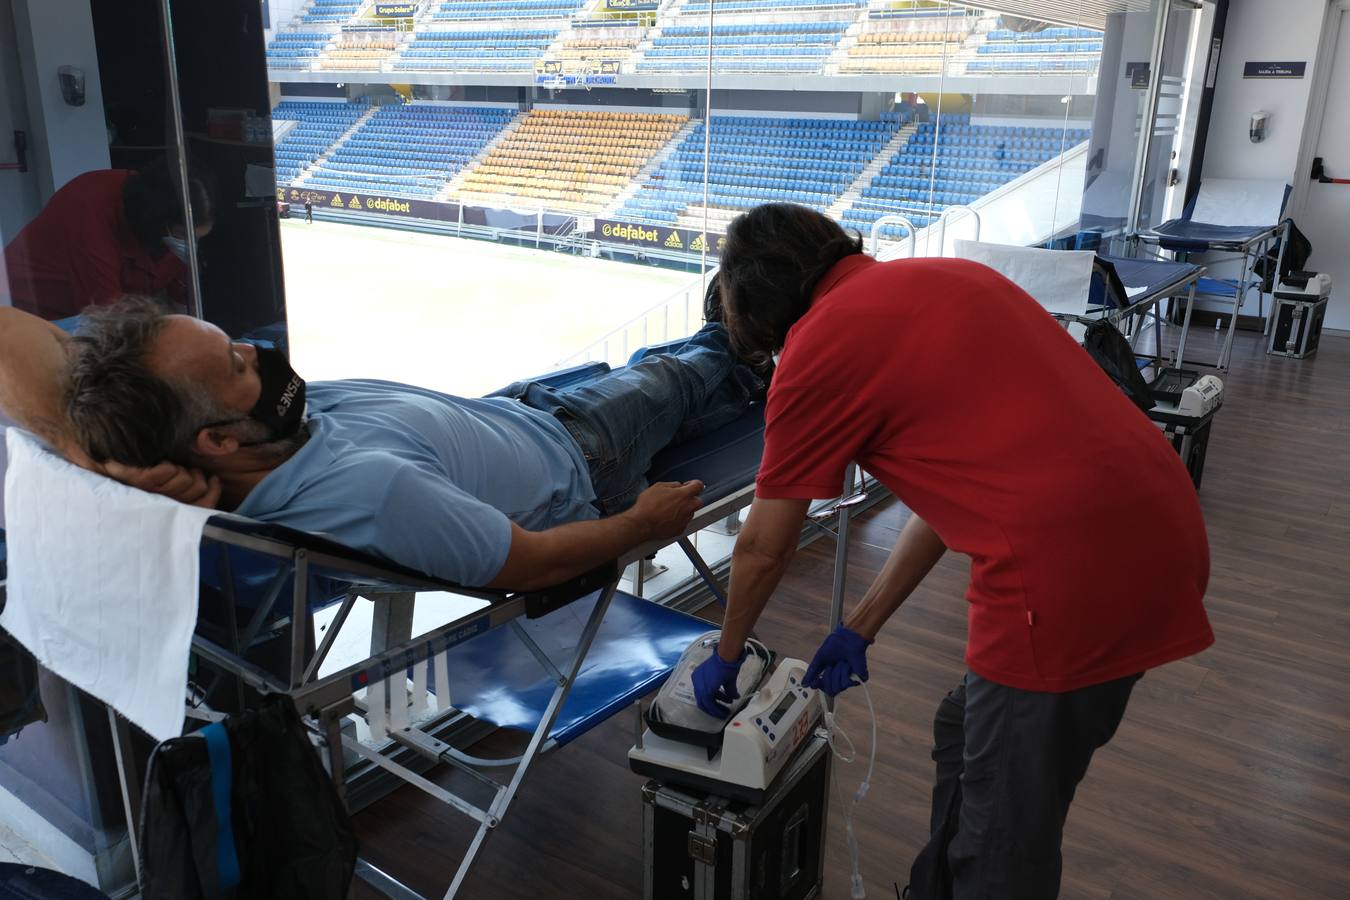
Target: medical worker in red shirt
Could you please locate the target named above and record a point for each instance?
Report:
(103, 235)
(959, 393)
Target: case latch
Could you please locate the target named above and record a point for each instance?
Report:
(703, 849)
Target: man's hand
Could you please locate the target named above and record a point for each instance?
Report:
(715, 684)
(663, 510)
(841, 658)
(190, 486)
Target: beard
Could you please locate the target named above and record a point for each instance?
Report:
(274, 448)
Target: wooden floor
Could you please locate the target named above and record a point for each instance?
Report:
(1230, 777)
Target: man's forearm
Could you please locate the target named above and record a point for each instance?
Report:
(540, 559)
(765, 547)
(916, 552)
(754, 577)
(566, 551)
(32, 376)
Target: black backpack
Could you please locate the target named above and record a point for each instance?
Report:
(20, 699)
(244, 809)
(1108, 347)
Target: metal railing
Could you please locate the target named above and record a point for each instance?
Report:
(677, 316)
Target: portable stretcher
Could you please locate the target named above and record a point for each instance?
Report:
(550, 664)
(1142, 285)
(1196, 231)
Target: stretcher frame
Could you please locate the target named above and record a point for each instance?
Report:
(1249, 249)
(1183, 283)
(326, 701)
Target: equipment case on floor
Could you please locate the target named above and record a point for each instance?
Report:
(1298, 327)
(1296, 319)
(1189, 436)
(709, 848)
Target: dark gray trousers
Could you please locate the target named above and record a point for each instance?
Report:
(1008, 762)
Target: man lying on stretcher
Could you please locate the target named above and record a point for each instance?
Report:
(519, 490)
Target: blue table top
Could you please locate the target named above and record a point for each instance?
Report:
(1184, 234)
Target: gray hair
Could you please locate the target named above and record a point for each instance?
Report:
(118, 408)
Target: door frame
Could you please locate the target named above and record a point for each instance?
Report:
(1317, 105)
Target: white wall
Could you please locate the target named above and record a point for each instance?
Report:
(1261, 30)
(1269, 30)
(19, 200)
(66, 140)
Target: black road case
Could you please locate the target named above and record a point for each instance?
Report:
(709, 848)
(1298, 325)
(1189, 436)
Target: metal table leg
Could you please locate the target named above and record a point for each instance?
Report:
(130, 782)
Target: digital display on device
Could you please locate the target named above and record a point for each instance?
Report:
(781, 709)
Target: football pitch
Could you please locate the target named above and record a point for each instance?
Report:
(452, 314)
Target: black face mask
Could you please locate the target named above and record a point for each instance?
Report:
(281, 405)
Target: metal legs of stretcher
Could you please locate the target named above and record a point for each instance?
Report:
(1249, 253)
(853, 495)
(396, 609)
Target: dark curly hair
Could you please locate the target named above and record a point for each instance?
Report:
(117, 407)
(152, 202)
(774, 257)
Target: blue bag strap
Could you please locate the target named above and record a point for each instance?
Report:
(222, 784)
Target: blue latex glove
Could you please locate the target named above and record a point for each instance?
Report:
(715, 684)
(842, 655)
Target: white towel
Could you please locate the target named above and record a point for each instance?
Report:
(1239, 201)
(102, 583)
(1059, 280)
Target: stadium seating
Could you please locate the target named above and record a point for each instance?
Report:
(458, 10)
(971, 161)
(905, 9)
(1051, 50)
(758, 47)
(756, 160)
(323, 11)
(410, 150)
(320, 124)
(571, 160)
(360, 49)
(904, 47)
(594, 45)
(478, 49)
(700, 7)
(296, 49)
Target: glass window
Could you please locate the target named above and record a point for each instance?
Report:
(498, 190)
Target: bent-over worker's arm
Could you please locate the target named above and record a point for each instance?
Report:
(540, 559)
(32, 378)
(763, 550)
(916, 551)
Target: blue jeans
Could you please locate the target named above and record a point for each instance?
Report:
(624, 418)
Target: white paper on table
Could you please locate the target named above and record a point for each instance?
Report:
(103, 583)
(1059, 280)
(1239, 201)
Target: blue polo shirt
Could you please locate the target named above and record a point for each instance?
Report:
(425, 479)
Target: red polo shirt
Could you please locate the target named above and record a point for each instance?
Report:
(958, 392)
(80, 251)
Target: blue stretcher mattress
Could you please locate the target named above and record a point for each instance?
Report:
(1184, 234)
(494, 677)
(1154, 274)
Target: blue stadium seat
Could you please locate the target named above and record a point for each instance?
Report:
(409, 150)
